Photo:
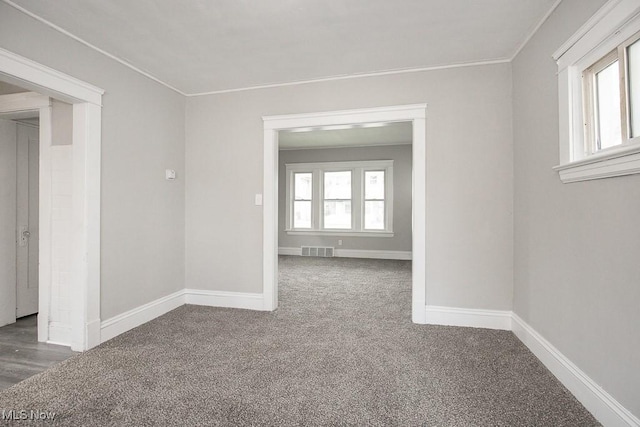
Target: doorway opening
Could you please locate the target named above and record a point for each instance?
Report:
(338, 211)
(68, 169)
(24, 180)
(345, 192)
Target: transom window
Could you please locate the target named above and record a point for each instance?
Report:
(340, 197)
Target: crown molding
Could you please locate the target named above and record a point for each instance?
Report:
(356, 76)
(296, 82)
(535, 29)
(91, 46)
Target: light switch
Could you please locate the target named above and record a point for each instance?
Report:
(170, 174)
(258, 199)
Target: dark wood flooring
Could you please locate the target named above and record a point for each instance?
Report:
(21, 355)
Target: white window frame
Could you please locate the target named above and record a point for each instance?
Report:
(613, 25)
(357, 168)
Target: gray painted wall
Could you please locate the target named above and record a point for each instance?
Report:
(577, 278)
(142, 135)
(401, 156)
(61, 123)
(8, 138)
(469, 178)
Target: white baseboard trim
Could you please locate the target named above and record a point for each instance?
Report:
(92, 334)
(224, 299)
(290, 251)
(362, 253)
(601, 404)
(474, 318)
(121, 323)
(355, 253)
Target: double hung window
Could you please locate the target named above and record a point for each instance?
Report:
(599, 96)
(340, 197)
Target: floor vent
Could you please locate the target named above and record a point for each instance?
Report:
(320, 251)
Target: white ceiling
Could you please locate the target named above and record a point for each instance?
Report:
(199, 46)
(356, 136)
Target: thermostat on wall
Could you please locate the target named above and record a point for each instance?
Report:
(170, 174)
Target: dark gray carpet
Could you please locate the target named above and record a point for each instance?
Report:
(340, 350)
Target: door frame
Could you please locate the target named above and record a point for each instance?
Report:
(86, 148)
(414, 113)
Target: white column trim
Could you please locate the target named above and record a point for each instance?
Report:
(44, 224)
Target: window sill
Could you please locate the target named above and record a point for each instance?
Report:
(615, 162)
(346, 233)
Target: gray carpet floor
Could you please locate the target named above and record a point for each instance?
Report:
(340, 350)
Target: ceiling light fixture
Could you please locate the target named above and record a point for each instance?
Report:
(374, 125)
(337, 127)
(301, 130)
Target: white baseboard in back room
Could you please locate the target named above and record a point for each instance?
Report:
(474, 318)
(244, 300)
(604, 407)
(121, 323)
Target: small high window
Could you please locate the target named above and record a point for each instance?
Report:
(612, 98)
(599, 96)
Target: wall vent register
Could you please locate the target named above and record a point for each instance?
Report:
(318, 251)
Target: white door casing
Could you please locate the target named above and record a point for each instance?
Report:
(85, 257)
(416, 114)
(27, 234)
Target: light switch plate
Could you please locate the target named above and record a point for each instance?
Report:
(170, 174)
(258, 199)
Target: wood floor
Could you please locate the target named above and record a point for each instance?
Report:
(21, 355)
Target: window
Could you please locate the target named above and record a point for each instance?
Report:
(340, 198)
(302, 200)
(337, 200)
(374, 200)
(611, 97)
(599, 95)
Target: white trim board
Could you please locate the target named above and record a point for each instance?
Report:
(126, 321)
(354, 253)
(358, 75)
(535, 29)
(242, 300)
(604, 407)
(601, 404)
(466, 317)
(29, 74)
